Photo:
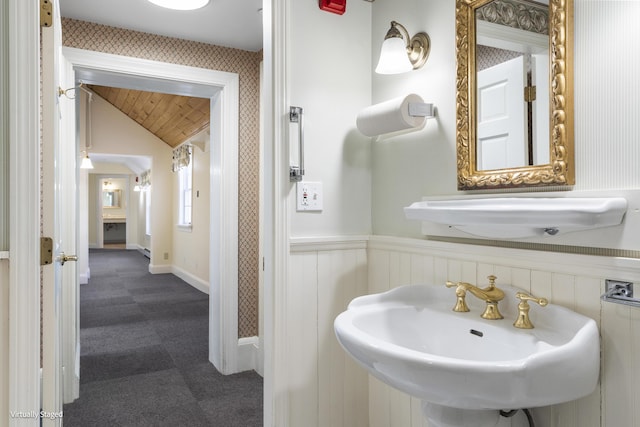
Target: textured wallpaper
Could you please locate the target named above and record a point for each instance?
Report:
(101, 38)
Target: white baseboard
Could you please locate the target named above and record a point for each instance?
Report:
(160, 269)
(83, 278)
(248, 354)
(134, 247)
(94, 246)
(194, 281)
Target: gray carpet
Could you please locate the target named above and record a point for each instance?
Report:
(144, 353)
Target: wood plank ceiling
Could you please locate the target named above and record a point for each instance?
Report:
(172, 118)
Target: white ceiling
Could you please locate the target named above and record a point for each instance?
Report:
(229, 23)
(137, 164)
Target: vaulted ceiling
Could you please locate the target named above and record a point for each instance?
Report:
(172, 118)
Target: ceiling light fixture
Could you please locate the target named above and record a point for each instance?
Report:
(400, 52)
(180, 4)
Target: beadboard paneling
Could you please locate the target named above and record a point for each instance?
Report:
(326, 387)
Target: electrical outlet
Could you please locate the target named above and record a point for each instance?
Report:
(309, 197)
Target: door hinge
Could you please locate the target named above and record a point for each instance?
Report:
(46, 250)
(46, 13)
(529, 94)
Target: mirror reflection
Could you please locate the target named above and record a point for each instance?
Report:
(512, 65)
(111, 198)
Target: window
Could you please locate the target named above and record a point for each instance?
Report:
(147, 210)
(185, 175)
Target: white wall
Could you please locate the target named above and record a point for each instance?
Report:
(606, 94)
(191, 247)
(330, 78)
(420, 163)
(114, 133)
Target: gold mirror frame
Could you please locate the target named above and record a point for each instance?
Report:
(560, 170)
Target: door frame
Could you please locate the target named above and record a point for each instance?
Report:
(276, 219)
(223, 91)
(24, 209)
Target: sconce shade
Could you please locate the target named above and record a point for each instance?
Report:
(180, 4)
(86, 163)
(393, 57)
(400, 52)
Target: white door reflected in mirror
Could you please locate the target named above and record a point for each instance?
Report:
(512, 89)
(502, 116)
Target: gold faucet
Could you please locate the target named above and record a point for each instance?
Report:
(522, 321)
(491, 295)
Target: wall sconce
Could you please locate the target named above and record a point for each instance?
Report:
(400, 52)
(86, 162)
(137, 187)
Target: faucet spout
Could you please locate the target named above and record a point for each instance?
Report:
(490, 294)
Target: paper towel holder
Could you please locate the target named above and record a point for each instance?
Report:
(406, 113)
(296, 172)
(422, 109)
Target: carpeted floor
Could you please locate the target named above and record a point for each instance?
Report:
(144, 361)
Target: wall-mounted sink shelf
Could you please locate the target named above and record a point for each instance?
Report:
(518, 217)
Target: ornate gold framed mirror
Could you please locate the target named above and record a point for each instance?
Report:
(514, 128)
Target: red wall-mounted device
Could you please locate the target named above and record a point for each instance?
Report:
(334, 6)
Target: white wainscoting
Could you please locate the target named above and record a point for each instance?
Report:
(327, 389)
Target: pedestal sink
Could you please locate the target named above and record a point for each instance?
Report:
(463, 366)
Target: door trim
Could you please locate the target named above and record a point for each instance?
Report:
(24, 209)
(223, 90)
(276, 214)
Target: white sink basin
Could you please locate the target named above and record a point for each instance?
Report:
(411, 339)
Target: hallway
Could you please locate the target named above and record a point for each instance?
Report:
(144, 351)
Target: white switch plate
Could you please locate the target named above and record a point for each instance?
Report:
(309, 196)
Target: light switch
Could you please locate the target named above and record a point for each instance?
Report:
(309, 197)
